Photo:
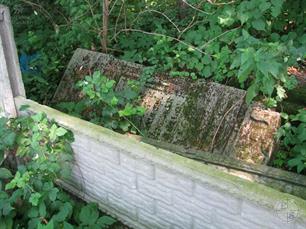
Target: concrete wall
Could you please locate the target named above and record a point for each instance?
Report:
(146, 187)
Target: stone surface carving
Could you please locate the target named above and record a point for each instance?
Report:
(198, 115)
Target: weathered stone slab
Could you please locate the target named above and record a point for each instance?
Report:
(257, 135)
(198, 115)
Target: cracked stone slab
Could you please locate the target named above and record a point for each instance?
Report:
(198, 115)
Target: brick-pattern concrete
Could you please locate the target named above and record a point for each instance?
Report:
(146, 187)
(158, 197)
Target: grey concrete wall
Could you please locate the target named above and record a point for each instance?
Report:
(147, 187)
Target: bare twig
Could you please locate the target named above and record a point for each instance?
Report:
(161, 35)
(220, 124)
(105, 24)
(216, 37)
(113, 7)
(221, 3)
(195, 8)
(43, 11)
(161, 13)
(117, 19)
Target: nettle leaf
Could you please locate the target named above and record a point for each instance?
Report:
(52, 134)
(42, 209)
(8, 139)
(53, 194)
(89, 214)
(50, 225)
(106, 221)
(298, 162)
(268, 85)
(6, 208)
(64, 213)
(60, 132)
(34, 198)
(67, 226)
(276, 7)
(5, 173)
(251, 93)
(259, 24)
(124, 125)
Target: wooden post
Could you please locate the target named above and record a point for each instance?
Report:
(10, 52)
(11, 84)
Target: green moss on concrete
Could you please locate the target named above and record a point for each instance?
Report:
(228, 183)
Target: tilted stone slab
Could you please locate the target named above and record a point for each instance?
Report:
(197, 115)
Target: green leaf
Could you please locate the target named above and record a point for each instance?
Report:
(106, 221)
(67, 226)
(64, 213)
(251, 93)
(9, 139)
(89, 214)
(60, 132)
(109, 84)
(52, 134)
(42, 209)
(50, 225)
(53, 194)
(5, 173)
(276, 7)
(268, 85)
(281, 92)
(6, 208)
(114, 101)
(6, 223)
(34, 198)
(124, 125)
(259, 24)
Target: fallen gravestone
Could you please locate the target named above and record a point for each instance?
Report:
(198, 115)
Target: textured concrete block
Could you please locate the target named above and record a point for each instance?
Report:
(152, 221)
(261, 216)
(217, 198)
(200, 224)
(105, 151)
(120, 174)
(110, 185)
(123, 207)
(139, 166)
(140, 200)
(172, 206)
(190, 205)
(173, 215)
(153, 189)
(174, 180)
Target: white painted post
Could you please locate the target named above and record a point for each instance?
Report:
(11, 84)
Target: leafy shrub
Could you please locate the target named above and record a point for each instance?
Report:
(246, 43)
(29, 197)
(104, 105)
(293, 142)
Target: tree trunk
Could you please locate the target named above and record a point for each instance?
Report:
(105, 25)
(182, 7)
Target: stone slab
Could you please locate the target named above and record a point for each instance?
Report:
(198, 115)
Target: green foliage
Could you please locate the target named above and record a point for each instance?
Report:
(293, 142)
(246, 43)
(103, 104)
(29, 197)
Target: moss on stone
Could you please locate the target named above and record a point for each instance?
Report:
(258, 193)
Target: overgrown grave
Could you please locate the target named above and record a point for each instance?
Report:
(200, 116)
